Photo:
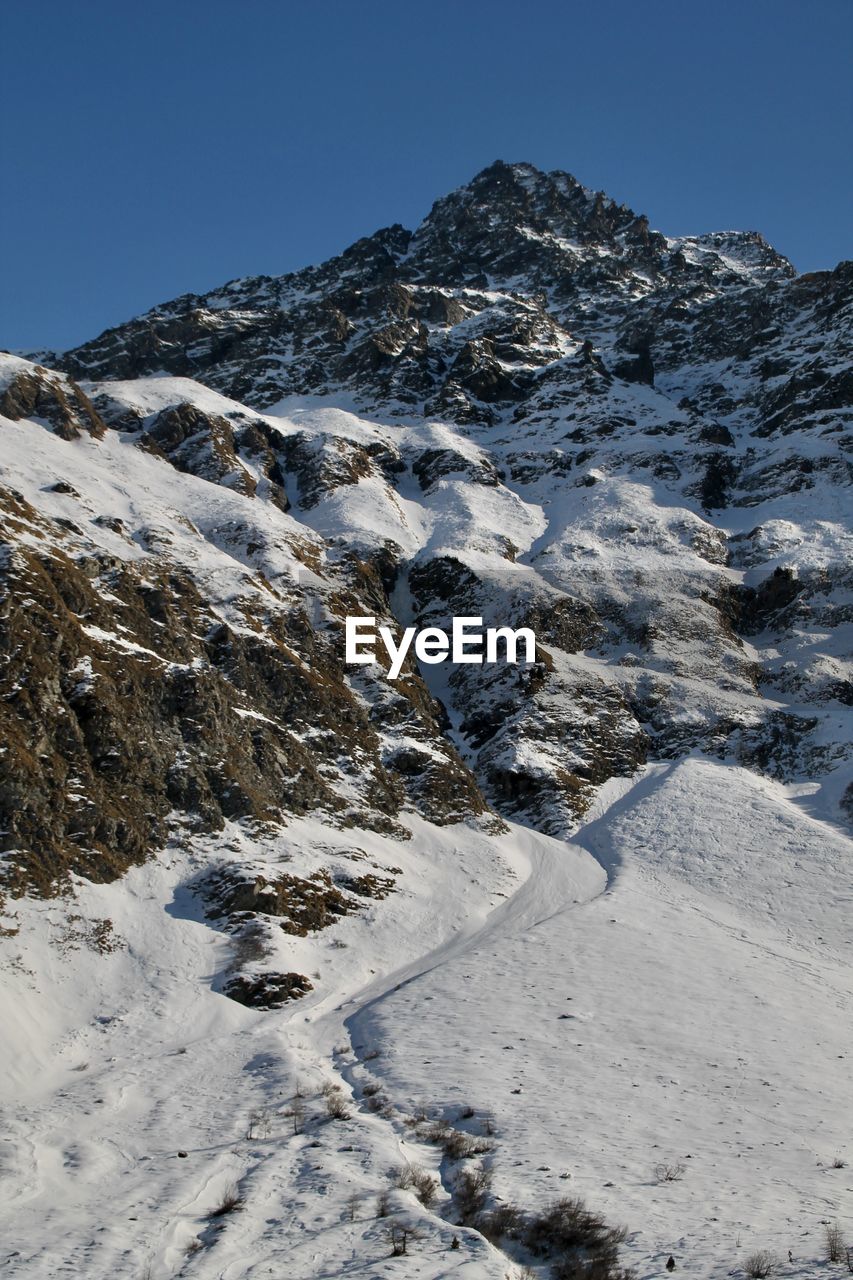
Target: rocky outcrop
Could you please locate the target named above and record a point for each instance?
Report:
(267, 990)
(35, 392)
(126, 699)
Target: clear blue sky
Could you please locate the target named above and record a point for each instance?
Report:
(149, 149)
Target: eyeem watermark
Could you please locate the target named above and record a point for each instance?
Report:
(467, 642)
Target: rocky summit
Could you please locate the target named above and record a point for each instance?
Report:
(534, 409)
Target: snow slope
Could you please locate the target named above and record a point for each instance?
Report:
(693, 1010)
(697, 1013)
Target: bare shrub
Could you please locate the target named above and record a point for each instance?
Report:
(426, 1188)
(466, 1113)
(580, 1244)
(336, 1107)
(249, 946)
(505, 1220)
(231, 1200)
(400, 1235)
(296, 1113)
(371, 1089)
(383, 1204)
(760, 1264)
(403, 1176)
(670, 1172)
(834, 1241)
(260, 1123)
(838, 1163)
(412, 1177)
(353, 1201)
(471, 1189)
(462, 1146)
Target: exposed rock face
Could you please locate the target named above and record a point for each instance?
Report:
(126, 698)
(30, 391)
(563, 419)
(301, 905)
(267, 990)
(480, 306)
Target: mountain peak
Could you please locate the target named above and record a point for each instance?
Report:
(515, 220)
(519, 194)
(501, 178)
(504, 276)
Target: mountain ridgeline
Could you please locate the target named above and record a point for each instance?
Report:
(534, 409)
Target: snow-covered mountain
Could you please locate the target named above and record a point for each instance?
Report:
(538, 930)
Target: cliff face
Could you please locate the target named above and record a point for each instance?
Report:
(533, 409)
(172, 653)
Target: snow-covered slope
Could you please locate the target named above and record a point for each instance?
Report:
(561, 923)
(693, 1015)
